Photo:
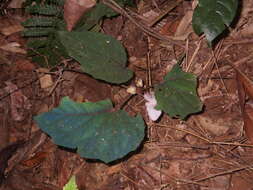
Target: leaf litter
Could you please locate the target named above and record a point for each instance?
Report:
(176, 155)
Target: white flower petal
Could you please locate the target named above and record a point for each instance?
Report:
(153, 114)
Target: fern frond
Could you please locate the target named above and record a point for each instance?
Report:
(48, 10)
(47, 18)
(56, 2)
(37, 32)
(40, 22)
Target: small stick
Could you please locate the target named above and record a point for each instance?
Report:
(225, 172)
(112, 4)
(167, 10)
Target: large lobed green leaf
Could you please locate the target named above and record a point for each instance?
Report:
(177, 94)
(100, 55)
(212, 16)
(90, 127)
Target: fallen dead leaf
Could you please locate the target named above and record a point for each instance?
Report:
(184, 25)
(246, 82)
(24, 65)
(150, 16)
(6, 154)
(217, 126)
(16, 4)
(12, 29)
(169, 28)
(245, 86)
(248, 121)
(37, 159)
(19, 102)
(46, 80)
(247, 31)
(13, 47)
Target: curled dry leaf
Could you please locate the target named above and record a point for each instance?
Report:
(74, 9)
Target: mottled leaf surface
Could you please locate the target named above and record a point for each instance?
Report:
(212, 16)
(100, 55)
(177, 94)
(90, 127)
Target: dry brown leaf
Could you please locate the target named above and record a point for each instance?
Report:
(13, 47)
(170, 27)
(241, 93)
(246, 82)
(247, 31)
(16, 4)
(46, 80)
(245, 86)
(12, 29)
(19, 102)
(184, 25)
(248, 122)
(74, 9)
(24, 65)
(6, 154)
(37, 159)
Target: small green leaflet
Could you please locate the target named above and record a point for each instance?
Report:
(92, 17)
(212, 16)
(100, 55)
(177, 94)
(71, 185)
(93, 129)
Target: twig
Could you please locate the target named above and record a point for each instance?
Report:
(167, 10)
(209, 65)
(149, 76)
(60, 79)
(194, 55)
(134, 182)
(112, 4)
(225, 173)
(205, 139)
(235, 42)
(216, 65)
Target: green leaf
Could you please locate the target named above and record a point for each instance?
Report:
(90, 127)
(92, 17)
(100, 55)
(46, 52)
(71, 185)
(212, 16)
(177, 94)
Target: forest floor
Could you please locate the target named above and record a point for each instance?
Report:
(210, 150)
